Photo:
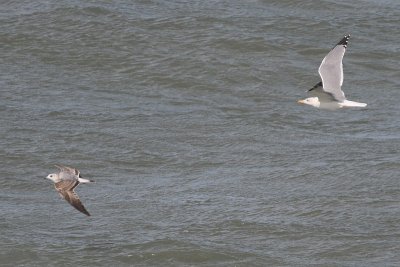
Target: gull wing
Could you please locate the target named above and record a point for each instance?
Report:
(69, 170)
(323, 96)
(66, 190)
(331, 70)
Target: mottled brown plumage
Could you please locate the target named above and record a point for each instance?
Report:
(66, 191)
(65, 182)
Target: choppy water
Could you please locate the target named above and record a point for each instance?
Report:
(185, 114)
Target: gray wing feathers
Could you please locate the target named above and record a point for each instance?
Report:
(67, 176)
(70, 170)
(68, 173)
(322, 95)
(331, 72)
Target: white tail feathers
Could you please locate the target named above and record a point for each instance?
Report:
(85, 181)
(348, 103)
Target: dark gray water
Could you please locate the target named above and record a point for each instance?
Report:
(185, 114)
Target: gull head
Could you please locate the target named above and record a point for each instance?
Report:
(312, 101)
(54, 177)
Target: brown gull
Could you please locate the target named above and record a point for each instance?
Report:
(65, 182)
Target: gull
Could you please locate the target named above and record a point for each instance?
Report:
(65, 182)
(328, 93)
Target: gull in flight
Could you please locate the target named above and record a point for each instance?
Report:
(65, 182)
(328, 93)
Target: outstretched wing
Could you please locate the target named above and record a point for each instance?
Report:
(66, 190)
(69, 170)
(331, 70)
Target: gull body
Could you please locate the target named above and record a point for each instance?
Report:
(65, 181)
(328, 93)
(332, 105)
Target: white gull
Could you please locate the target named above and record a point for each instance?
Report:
(328, 93)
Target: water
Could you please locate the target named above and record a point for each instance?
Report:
(185, 114)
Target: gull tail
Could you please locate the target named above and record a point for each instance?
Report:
(85, 181)
(348, 103)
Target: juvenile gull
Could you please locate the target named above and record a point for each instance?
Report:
(65, 182)
(328, 93)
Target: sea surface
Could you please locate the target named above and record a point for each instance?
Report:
(185, 115)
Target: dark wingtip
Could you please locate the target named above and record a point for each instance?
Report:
(344, 41)
(85, 212)
(315, 86)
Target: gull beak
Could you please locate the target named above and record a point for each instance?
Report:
(300, 101)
